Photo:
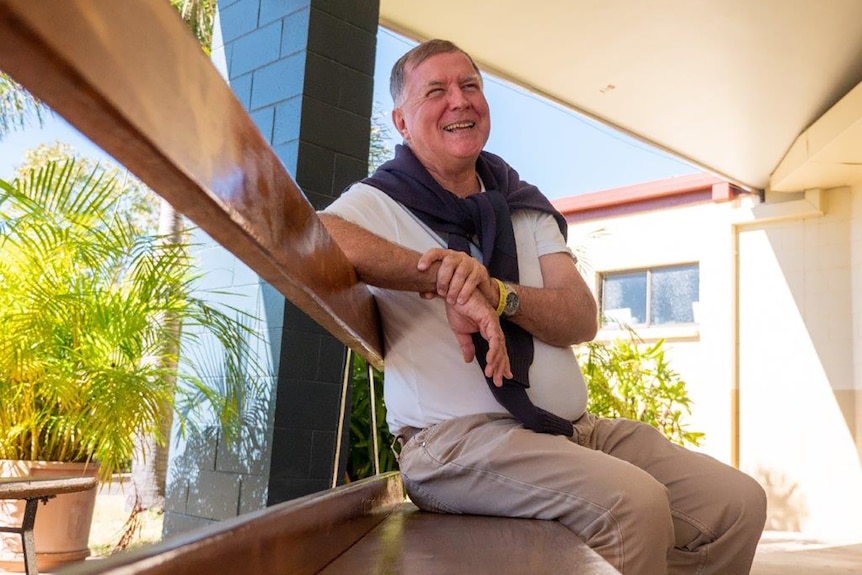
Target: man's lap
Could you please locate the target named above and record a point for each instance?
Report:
(489, 464)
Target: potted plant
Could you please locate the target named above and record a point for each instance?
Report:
(89, 305)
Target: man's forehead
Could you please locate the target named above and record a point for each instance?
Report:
(443, 79)
(442, 63)
(435, 70)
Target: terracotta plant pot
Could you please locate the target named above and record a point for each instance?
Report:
(62, 529)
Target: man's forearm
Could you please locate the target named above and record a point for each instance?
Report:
(560, 317)
(563, 312)
(385, 264)
(378, 261)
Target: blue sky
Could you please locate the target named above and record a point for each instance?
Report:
(560, 151)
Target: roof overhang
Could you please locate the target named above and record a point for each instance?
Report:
(731, 86)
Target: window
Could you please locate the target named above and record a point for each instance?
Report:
(651, 297)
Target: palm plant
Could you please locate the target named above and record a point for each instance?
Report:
(86, 358)
(628, 378)
(360, 462)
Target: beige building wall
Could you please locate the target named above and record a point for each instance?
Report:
(702, 234)
(779, 328)
(856, 305)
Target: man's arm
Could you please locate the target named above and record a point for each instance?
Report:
(378, 261)
(564, 311)
(384, 264)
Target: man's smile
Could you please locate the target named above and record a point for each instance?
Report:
(458, 126)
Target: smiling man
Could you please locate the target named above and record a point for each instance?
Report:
(480, 301)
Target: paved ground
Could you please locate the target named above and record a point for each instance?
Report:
(790, 554)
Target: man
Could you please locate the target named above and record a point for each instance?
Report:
(499, 304)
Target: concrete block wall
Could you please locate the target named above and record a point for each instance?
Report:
(304, 71)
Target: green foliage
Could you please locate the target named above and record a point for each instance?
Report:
(136, 199)
(18, 108)
(88, 304)
(378, 144)
(629, 379)
(360, 461)
(198, 16)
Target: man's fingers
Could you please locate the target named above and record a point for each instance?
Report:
(431, 256)
(468, 350)
(458, 276)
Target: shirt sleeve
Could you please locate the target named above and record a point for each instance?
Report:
(549, 239)
(368, 208)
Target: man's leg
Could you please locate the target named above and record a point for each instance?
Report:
(493, 466)
(718, 512)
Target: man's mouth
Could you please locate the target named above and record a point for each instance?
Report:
(459, 126)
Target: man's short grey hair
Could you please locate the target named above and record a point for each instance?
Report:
(415, 57)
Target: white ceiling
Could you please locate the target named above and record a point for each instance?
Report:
(730, 85)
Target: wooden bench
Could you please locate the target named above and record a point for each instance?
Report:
(360, 529)
(109, 68)
(33, 491)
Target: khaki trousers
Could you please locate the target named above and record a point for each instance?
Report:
(647, 506)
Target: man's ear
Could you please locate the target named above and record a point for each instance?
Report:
(399, 123)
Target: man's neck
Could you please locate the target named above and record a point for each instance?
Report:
(463, 183)
(459, 178)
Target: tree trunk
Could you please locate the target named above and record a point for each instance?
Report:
(150, 461)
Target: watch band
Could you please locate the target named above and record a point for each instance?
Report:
(501, 305)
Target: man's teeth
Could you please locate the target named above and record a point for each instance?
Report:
(459, 126)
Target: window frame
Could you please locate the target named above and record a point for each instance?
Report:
(612, 326)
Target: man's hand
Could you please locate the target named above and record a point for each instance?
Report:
(458, 277)
(475, 316)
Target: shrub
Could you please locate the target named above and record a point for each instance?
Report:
(627, 378)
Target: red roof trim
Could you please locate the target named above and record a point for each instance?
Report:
(650, 195)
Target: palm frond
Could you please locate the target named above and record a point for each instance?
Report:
(18, 108)
(92, 308)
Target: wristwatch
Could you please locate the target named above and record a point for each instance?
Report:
(513, 302)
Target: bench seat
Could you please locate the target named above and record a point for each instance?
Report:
(420, 543)
(362, 528)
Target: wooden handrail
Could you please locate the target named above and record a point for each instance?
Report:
(129, 76)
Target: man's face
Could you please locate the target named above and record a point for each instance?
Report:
(443, 115)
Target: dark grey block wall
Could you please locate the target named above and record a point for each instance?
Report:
(304, 71)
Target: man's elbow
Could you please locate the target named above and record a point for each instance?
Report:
(587, 324)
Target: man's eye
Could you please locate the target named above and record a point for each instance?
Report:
(471, 86)
(434, 93)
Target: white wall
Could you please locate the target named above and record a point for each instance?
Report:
(799, 337)
(700, 233)
(797, 396)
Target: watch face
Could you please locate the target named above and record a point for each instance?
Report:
(512, 302)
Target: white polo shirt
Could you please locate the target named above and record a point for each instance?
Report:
(426, 379)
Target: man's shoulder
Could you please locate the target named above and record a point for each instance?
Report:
(367, 206)
(357, 194)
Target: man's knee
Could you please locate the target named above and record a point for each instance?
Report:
(646, 527)
(751, 504)
(645, 511)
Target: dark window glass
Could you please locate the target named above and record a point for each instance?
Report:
(657, 296)
(624, 298)
(673, 291)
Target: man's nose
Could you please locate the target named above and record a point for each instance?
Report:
(458, 99)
